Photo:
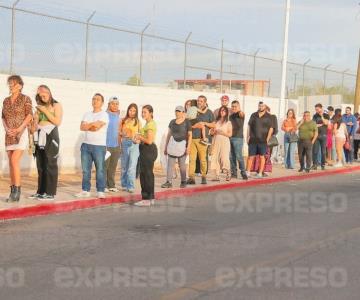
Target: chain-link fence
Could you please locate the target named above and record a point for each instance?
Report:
(40, 44)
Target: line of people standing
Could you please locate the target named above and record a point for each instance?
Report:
(213, 142)
(327, 138)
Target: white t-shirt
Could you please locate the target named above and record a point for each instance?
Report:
(97, 138)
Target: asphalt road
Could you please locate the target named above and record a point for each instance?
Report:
(296, 240)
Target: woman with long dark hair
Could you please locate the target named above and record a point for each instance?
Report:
(129, 128)
(16, 116)
(220, 158)
(341, 135)
(148, 155)
(289, 126)
(47, 118)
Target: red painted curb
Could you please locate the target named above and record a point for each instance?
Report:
(63, 207)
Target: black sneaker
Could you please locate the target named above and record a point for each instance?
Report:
(203, 180)
(307, 170)
(234, 176)
(322, 168)
(35, 196)
(183, 184)
(191, 181)
(301, 170)
(166, 185)
(244, 176)
(46, 197)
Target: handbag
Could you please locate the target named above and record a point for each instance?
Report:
(347, 145)
(273, 142)
(293, 138)
(176, 149)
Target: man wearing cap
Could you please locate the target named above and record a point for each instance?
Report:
(225, 100)
(112, 144)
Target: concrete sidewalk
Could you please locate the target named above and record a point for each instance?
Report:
(70, 184)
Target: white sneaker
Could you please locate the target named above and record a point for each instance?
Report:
(106, 190)
(143, 203)
(259, 176)
(131, 191)
(248, 174)
(338, 165)
(101, 195)
(113, 190)
(152, 202)
(83, 194)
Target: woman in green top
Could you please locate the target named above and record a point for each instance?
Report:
(148, 155)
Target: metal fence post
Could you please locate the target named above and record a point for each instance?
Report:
(141, 54)
(87, 44)
(221, 66)
(303, 76)
(185, 57)
(254, 71)
(12, 36)
(342, 81)
(325, 71)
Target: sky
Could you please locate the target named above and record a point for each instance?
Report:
(327, 32)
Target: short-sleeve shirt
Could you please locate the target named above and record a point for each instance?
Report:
(207, 117)
(130, 127)
(259, 127)
(96, 138)
(307, 130)
(14, 115)
(180, 131)
(318, 120)
(151, 125)
(112, 138)
(237, 125)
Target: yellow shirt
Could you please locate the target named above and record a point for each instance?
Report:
(151, 125)
(129, 129)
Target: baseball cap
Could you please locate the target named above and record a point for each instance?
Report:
(113, 98)
(180, 108)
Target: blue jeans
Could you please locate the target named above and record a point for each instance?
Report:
(90, 154)
(349, 154)
(236, 155)
(129, 160)
(319, 151)
(289, 149)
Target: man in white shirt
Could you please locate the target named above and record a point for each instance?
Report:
(93, 149)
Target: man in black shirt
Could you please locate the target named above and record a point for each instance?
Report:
(322, 120)
(260, 130)
(205, 119)
(237, 119)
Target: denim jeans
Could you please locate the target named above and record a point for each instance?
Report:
(349, 154)
(90, 154)
(236, 155)
(320, 146)
(129, 160)
(289, 149)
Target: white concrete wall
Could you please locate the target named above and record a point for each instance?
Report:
(75, 97)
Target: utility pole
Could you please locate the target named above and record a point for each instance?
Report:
(357, 91)
(282, 100)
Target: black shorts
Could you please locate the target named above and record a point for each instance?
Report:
(257, 149)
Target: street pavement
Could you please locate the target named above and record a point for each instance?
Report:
(293, 240)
